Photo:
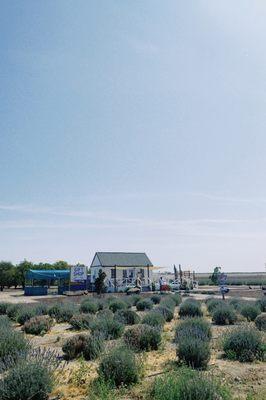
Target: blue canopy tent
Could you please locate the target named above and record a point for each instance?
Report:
(43, 278)
(47, 276)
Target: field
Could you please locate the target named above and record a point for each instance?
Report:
(77, 378)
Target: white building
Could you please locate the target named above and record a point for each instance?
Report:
(122, 269)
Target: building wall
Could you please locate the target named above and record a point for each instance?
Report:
(119, 273)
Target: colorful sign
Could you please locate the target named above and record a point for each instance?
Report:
(78, 273)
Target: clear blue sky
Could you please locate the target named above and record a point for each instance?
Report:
(134, 126)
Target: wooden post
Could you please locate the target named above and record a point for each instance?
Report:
(115, 281)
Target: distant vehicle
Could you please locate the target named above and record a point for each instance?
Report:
(175, 285)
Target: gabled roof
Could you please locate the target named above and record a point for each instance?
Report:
(110, 259)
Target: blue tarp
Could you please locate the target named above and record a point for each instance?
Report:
(47, 274)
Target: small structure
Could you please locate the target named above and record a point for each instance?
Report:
(39, 282)
(122, 270)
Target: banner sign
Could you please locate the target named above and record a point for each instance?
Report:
(222, 279)
(78, 273)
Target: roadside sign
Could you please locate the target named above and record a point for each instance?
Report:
(222, 279)
(78, 273)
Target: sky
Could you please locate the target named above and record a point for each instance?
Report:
(134, 126)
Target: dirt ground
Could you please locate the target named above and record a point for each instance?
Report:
(74, 379)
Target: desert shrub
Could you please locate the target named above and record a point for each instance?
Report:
(3, 308)
(143, 337)
(73, 347)
(236, 303)
(89, 306)
(261, 303)
(41, 309)
(106, 313)
(38, 325)
(213, 303)
(193, 327)
(121, 367)
(260, 322)
(224, 315)
(13, 311)
(187, 384)
(62, 312)
(107, 328)
(194, 352)
(93, 347)
(134, 298)
(24, 314)
(250, 311)
(166, 312)
(26, 381)
(154, 318)
(127, 317)
(81, 321)
(190, 309)
(144, 304)
(156, 298)
(243, 344)
(176, 298)
(12, 343)
(4, 322)
(168, 302)
(117, 304)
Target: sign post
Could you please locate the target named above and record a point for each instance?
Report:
(222, 282)
(78, 273)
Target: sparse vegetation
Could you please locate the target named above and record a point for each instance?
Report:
(107, 328)
(250, 311)
(190, 309)
(224, 314)
(260, 322)
(154, 319)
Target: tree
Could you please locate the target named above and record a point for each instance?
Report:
(215, 275)
(22, 268)
(99, 283)
(61, 265)
(5, 274)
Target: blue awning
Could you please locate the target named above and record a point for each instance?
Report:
(47, 274)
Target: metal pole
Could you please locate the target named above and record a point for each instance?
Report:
(115, 281)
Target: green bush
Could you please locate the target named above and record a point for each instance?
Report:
(120, 367)
(156, 298)
(176, 298)
(194, 352)
(3, 308)
(81, 321)
(62, 312)
(133, 299)
(4, 322)
(106, 313)
(250, 311)
(26, 381)
(127, 317)
(224, 315)
(13, 311)
(143, 338)
(236, 303)
(154, 318)
(261, 303)
(166, 312)
(117, 304)
(93, 347)
(144, 304)
(12, 343)
(107, 328)
(260, 322)
(89, 306)
(187, 384)
(41, 309)
(213, 303)
(243, 344)
(24, 314)
(193, 327)
(73, 347)
(87, 345)
(38, 325)
(190, 309)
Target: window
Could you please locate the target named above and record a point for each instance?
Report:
(113, 274)
(124, 273)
